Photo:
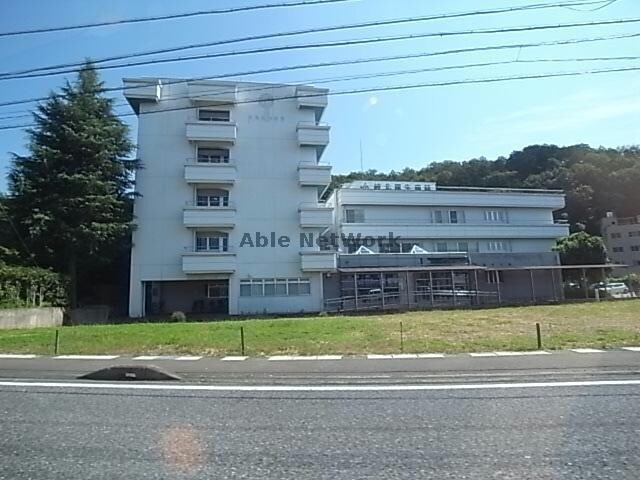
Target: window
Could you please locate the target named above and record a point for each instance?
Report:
(217, 290)
(398, 186)
(453, 216)
(213, 155)
(417, 187)
(275, 287)
(211, 242)
(617, 249)
(495, 216)
(635, 234)
(498, 246)
(212, 198)
(635, 248)
(437, 216)
(205, 115)
(616, 235)
(463, 246)
(441, 247)
(493, 276)
(354, 215)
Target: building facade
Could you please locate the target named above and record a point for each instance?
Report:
(226, 168)
(230, 218)
(430, 245)
(621, 236)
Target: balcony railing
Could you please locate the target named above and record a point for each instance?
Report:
(208, 261)
(203, 172)
(318, 261)
(313, 134)
(212, 131)
(315, 215)
(315, 175)
(195, 216)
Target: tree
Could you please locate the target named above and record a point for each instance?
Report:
(581, 249)
(70, 197)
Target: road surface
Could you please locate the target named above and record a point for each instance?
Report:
(479, 418)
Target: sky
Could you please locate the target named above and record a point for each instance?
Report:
(393, 129)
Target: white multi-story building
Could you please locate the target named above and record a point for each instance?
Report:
(621, 235)
(229, 169)
(230, 219)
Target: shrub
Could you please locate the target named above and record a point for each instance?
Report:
(178, 317)
(31, 287)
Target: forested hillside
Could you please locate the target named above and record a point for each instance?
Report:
(595, 179)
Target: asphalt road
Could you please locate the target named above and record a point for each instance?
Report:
(454, 368)
(484, 431)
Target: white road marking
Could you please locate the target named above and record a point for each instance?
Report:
(404, 355)
(280, 358)
(187, 358)
(147, 357)
(86, 357)
(17, 355)
(516, 354)
(317, 388)
(586, 350)
(232, 358)
(632, 349)
(374, 356)
(431, 355)
(483, 354)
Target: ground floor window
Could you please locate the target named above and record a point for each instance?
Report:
(494, 276)
(275, 287)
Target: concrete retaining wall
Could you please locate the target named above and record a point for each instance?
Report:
(31, 317)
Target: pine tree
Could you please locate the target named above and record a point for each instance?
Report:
(71, 196)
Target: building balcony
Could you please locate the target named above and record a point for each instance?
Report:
(458, 230)
(318, 261)
(223, 173)
(208, 262)
(212, 93)
(221, 217)
(315, 216)
(312, 97)
(314, 175)
(312, 134)
(211, 131)
(137, 91)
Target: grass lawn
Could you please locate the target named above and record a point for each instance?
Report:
(606, 324)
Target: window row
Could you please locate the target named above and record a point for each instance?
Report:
(275, 287)
(357, 215)
(451, 246)
(634, 233)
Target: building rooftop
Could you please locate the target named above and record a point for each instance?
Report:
(397, 185)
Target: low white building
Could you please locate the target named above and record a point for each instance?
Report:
(230, 219)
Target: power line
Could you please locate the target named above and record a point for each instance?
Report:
(171, 17)
(395, 88)
(312, 30)
(339, 43)
(343, 78)
(368, 60)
